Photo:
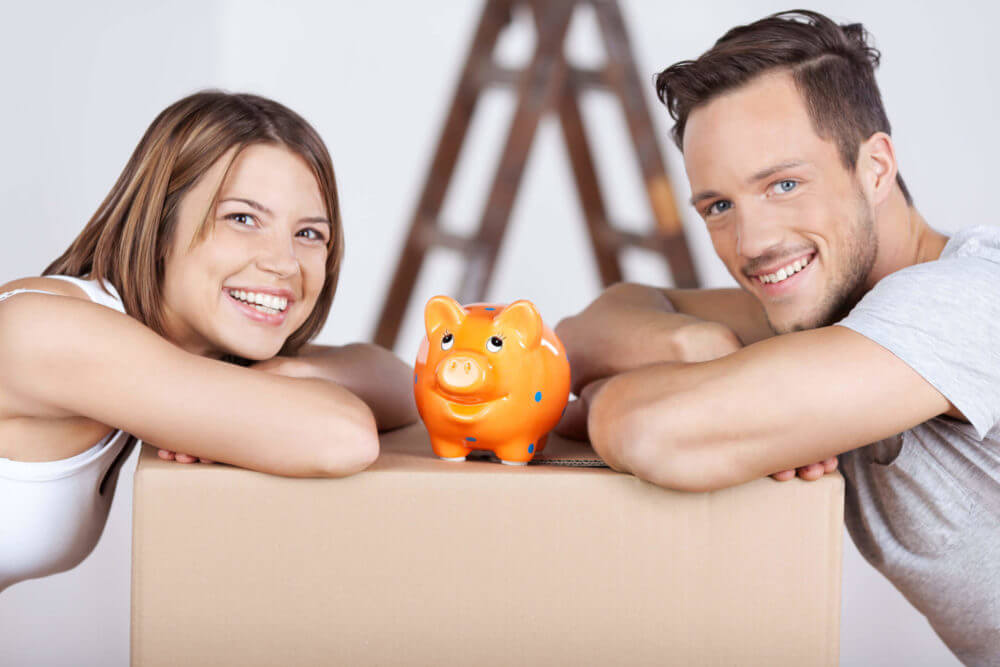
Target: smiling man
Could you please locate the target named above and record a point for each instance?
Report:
(858, 331)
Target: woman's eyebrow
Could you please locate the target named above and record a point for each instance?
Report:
(319, 220)
(249, 202)
(263, 209)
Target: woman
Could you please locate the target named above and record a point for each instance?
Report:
(220, 242)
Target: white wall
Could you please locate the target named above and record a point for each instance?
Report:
(81, 83)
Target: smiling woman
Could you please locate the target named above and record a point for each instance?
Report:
(180, 316)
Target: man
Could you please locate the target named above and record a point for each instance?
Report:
(856, 323)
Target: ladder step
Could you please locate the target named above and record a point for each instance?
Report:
(492, 74)
(651, 241)
(437, 237)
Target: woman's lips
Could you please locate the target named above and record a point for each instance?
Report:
(252, 313)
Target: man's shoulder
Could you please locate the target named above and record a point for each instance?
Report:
(980, 241)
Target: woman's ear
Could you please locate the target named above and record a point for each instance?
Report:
(442, 312)
(877, 167)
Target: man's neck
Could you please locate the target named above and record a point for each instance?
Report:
(904, 239)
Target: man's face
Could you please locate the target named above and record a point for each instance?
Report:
(786, 216)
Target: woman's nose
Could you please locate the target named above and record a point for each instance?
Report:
(278, 257)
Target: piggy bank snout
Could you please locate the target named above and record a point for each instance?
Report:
(462, 373)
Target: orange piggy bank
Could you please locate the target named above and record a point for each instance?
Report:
(489, 377)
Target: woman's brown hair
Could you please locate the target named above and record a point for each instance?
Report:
(833, 67)
(127, 239)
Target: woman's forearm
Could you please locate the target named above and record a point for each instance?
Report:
(372, 373)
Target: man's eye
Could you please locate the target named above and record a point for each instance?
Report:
(786, 185)
(718, 207)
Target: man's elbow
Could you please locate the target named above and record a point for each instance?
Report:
(629, 439)
(673, 466)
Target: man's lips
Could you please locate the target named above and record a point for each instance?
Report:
(780, 283)
(774, 267)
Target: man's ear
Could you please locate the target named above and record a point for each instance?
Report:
(442, 312)
(522, 318)
(877, 167)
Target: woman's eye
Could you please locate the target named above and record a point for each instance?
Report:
(718, 207)
(313, 235)
(494, 344)
(242, 218)
(447, 341)
(786, 185)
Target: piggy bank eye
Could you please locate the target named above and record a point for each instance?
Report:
(447, 341)
(494, 344)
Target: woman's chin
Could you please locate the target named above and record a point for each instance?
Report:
(252, 353)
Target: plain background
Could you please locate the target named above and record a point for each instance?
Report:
(82, 81)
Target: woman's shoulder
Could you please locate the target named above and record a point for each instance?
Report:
(46, 284)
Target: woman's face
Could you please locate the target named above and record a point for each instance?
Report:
(256, 276)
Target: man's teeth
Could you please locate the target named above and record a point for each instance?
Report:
(265, 303)
(785, 272)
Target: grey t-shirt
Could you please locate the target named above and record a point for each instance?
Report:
(924, 505)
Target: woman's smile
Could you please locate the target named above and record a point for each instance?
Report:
(261, 304)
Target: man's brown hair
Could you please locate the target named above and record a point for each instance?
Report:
(127, 240)
(833, 67)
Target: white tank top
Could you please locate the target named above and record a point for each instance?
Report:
(53, 512)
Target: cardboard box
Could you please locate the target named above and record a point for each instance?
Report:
(424, 562)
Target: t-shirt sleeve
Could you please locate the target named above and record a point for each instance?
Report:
(942, 318)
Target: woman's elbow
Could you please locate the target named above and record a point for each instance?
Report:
(348, 449)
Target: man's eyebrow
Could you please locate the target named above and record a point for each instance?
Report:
(774, 169)
(263, 209)
(703, 195)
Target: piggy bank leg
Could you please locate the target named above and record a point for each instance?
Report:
(449, 451)
(541, 443)
(516, 452)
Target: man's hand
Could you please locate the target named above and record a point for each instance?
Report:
(810, 473)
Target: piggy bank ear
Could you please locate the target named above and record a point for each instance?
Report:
(442, 312)
(522, 318)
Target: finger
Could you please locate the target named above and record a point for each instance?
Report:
(830, 464)
(811, 472)
(784, 475)
(185, 458)
(165, 454)
(573, 424)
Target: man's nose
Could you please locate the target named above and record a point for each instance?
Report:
(278, 256)
(756, 232)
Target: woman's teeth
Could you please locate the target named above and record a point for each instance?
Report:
(265, 303)
(785, 272)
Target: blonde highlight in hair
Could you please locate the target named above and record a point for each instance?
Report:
(127, 240)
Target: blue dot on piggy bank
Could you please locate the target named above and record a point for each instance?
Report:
(531, 448)
(468, 439)
(414, 378)
(538, 396)
(489, 308)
